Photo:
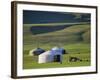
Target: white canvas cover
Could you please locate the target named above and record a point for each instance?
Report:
(31, 52)
(45, 57)
(56, 51)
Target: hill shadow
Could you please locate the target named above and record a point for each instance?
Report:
(46, 29)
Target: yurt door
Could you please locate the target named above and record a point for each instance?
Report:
(57, 58)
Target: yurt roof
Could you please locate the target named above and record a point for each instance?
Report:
(57, 48)
(46, 53)
(36, 49)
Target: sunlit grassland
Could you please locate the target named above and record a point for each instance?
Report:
(74, 50)
(74, 39)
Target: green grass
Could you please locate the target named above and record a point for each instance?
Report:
(81, 51)
(74, 39)
(31, 64)
(72, 34)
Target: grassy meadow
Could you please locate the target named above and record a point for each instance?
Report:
(74, 38)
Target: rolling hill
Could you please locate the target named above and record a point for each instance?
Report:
(54, 35)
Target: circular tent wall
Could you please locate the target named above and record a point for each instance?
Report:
(45, 57)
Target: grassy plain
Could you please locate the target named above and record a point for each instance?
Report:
(75, 39)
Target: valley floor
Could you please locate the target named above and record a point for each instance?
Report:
(80, 50)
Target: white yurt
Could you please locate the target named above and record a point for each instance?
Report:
(54, 55)
(57, 53)
(31, 52)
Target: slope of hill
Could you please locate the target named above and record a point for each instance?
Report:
(68, 35)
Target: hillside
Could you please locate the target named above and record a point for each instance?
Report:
(65, 35)
(68, 35)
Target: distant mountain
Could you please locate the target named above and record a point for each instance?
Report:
(36, 17)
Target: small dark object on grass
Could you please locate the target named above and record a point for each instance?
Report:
(87, 60)
(81, 60)
(74, 59)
